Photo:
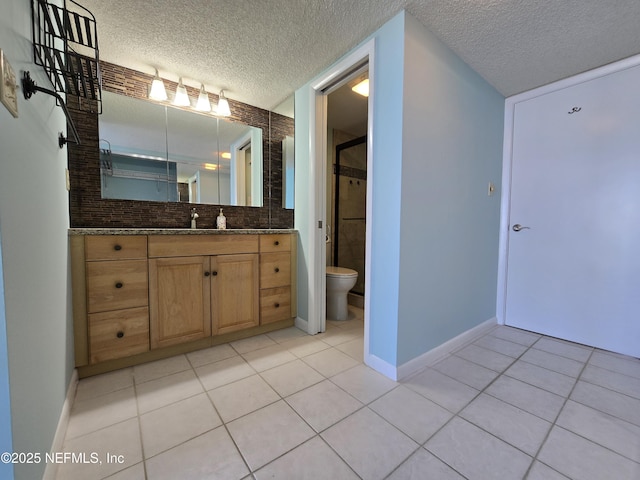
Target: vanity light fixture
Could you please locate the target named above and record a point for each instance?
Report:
(203, 105)
(223, 105)
(157, 92)
(182, 97)
(362, 88)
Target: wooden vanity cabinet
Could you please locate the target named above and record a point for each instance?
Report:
(143, 297)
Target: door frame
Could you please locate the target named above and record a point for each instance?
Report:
(507, 160)
(316, 278)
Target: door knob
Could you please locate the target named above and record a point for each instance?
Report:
(517, 227)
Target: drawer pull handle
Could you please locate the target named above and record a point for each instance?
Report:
(276, 243)
(120, 334)
(117, 248)
(119, 285)
(206, 274)
(277, 269)
(214, 273)
(277, 305)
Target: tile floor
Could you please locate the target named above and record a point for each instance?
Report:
(285, 405)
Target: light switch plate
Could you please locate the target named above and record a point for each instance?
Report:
(8, 86)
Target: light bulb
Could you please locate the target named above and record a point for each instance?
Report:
(203, 105)
(182, 97)
(223, 105)
(157, 92)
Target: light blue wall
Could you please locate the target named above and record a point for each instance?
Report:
(6, 469)
(385, 175)
(452, 149)
(34, 214)
(386, 178)
(437, 142)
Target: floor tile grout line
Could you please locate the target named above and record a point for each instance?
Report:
(555, 420)
(139, 422)
(602, 411)
(223, 423)
(480, 392)
(144, 459)
(368, 404)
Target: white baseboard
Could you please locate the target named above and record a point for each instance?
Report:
(431, 357)
(382, 366)
(51, 469)
(302, 324)
(436, 354)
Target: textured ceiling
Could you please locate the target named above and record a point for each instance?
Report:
(261, 51)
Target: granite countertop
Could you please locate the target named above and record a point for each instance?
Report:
(177, 231)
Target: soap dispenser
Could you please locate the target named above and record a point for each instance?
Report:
(194, 216)
(221, 221)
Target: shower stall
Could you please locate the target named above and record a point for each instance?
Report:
(349, 208)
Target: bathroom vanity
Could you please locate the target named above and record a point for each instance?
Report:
(145, 294)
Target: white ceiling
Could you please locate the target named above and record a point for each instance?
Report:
(261, 51)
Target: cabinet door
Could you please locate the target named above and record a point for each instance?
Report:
(179, 302)
(234, 292)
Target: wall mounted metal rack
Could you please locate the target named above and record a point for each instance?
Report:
(65, 44)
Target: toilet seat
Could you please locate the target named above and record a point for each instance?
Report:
(341, 272)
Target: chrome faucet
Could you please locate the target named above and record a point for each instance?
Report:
(194, 216)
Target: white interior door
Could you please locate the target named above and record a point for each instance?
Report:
(573, 270)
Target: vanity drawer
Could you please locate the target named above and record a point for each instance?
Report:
(214, 244)
(275, 270)
(275, 304)
(115, 247)
(279, 242)
(118, 334)
(116, 285)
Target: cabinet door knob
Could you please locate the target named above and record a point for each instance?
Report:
(119, 285)
(277, 269)
(214, 273)
(206, 274)
(276, 242)
(120, 334)
(117, 247)
(277, 305)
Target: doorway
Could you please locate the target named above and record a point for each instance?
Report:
(311, 194)
(347, 122)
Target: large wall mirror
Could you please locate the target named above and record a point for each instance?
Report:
(155, 152)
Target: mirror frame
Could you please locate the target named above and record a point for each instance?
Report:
(89, 210)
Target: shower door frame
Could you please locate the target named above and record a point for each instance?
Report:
(336, 210)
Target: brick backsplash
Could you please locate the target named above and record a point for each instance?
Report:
(88, 209)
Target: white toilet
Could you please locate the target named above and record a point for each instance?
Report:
(339, 281)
